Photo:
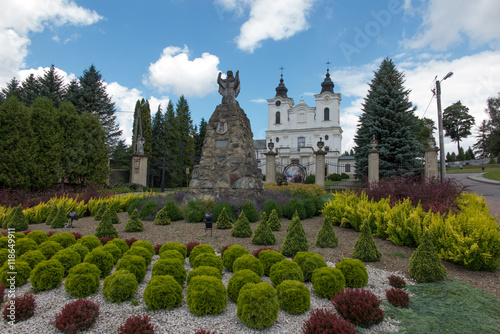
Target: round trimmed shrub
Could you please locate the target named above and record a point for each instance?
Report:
(33, 258)
(251, 211)
(68, 259)
(145, 244)
(163, 292)
(199, 249)
(248, 261)
(327, 321)
(112, 249)
(141, 251)
(76, 316)
(134, 223)
(24, 245)
(361, 307)
(181, 248)
(65, 239)
(327, 281)
(269, 257)
(80, 249)
(238, 280)
(47, 275)
(206, 295)
(293, 297)
(309, 262)
(102, 259)
(83, 280)
(231, 254)
(119, 286)
(172, 267)
(174, 213)
(193, 212)
(122, 244)
(22, 272)
(273, 205)
(354, 272)
(258, 305)
(285, 270)
(49, 248)
(204, 271)
(135, 264)
(210, 260)
(172, 254)
(4, 242)
(90, 241)
(38, 236)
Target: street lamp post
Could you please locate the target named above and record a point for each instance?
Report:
(440, 125)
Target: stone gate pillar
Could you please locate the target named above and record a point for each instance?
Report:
(431, 162)
(320, 163)
(270, 163)
(139, 171)
(373, 162)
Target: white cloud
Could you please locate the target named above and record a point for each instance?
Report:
(447, 22)
(40, 72)
(259, 101)
(174, 72)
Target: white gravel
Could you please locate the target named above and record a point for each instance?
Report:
(181, 320)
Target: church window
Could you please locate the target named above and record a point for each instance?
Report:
(301, 142)
(327, 114)
(278, 117)
(347, 168)
(327, 148)
(326, 137)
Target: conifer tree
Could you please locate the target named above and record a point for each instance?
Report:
(199, 137)
(274, 221)
(17, 220)
(13, 88)
(172, 174)
(241, 228)
(52, 86)
(95, 157)
(52, 214)
(295, 239)
(425, 264)
(326, 236)
(223, 221)
(185, 131)
(60, 219)
(162, 218)
(263, 235)
(113, 215)
(30, 89)
(365, 248)
(120, 156)
(158, 135)
(71, 141)
(100, 211)
(106, 228)
(134, 223)
(263, 217)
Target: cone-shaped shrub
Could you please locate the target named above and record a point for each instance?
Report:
(263, 216)
(326, 235)
(105, 227)
(162, 218)
(134, 223)
(113, 215)
(365, 249)
(223, 221)
(52, 214)
(425, 265)
(263, 235)
(295, 240)
(17, 220)
(241, 227)
(100, 211)
(274, 220)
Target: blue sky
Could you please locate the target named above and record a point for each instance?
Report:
(160, 49)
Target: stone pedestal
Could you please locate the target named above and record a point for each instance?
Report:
(270, 167)
(228, 167)
(431, 162)
(373, 166)
(139, 170)
(320, 167)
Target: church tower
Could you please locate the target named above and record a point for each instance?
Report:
(278, 107)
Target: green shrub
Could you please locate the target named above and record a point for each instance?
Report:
(122, 244)
(327, 281)
(112, 249)
(145, 244)
(193, 212)
(24, 245)
(135, 264)
(47, 275)
(105, 227)
(65, 239)
(270, 205)
(308, 262)
(162, 218)
(134, 204)
(119, 286)
(181, 248)
(4, 242)
(425, 264)
(141, 251)
(60, 219)
(172, 254)
(172, 267)
(134, 223)
(231, 254)
(163, 292)
(293, 297)
(335, 177)
(292, 207)
(38, 236)
(309, 206)
(365, 249)
(274, 221)
(326, 236)
(204, 271)
(206, 295)
(19, 270)
(251, 211)
(238, 280)
(147, 209)
(310, 179)
(4, 256)
(263, 217)
(258, 305)
(89, 241)
(102, 259)
(100, 211)
(16, 220)
(49, 248)
(295, 239)
(268, 258)
(52, 214)
(80, 249)
(32, 258)
(354, 272)
(217, 211)
(199, 250)
(285, 270)
(248, 261)
(113, 216)
(206, 259)
(241, 228)
(173, 212)
(263, 235)
(223, 221)
(68, 259)
(83, 280)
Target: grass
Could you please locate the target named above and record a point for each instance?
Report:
(495, 175)
(397, 254)
(447, 307)
(473, 169)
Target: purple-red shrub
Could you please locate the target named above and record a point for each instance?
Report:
(26, 232)
(202, 331)
(4, 233)
(324, 321)
(361, 307)
(105, 240)
(157, 248)
(137, 324)
(51, 233)
(2, 292)
(77, 235)
(398, 297)
(24, 308)
(257, 252)
(224, 249)
(77, 316)
(396, 281)
(130, 241)
(190, 246)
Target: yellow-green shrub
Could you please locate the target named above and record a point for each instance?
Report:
(298, 189)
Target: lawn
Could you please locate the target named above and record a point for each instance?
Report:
(494, 175)
(474, 169)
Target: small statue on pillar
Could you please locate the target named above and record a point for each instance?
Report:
(229, 88)
(138, 146)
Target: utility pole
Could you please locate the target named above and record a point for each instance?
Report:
(442, 156)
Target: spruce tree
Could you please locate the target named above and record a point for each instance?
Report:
(295, 239)
(274, 221)
(60, 219)
(199, 137)
(134, 223)
(106, 228)
(186, 131)
(326, 236)
(387, 115)
(365, 248)
(241, 227)
(223, 221)
(30, 89)
(71, 141)
(172, 138)
(158, 143)
(263, 235)
(52, 86)
(120, 155)
(162, 218)
(425, 264)
(13, 88)
(95, 157)
(17, 220)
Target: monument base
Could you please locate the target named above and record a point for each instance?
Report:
(139, 170)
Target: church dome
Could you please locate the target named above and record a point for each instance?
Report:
(281, 90)
(327, 84)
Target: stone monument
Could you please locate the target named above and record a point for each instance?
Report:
(228, 167)
(139, 170)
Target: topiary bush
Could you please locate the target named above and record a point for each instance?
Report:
(268, 258)
(285, 270)
(204, 271)
(113, 250)
(68, 258)
(145, 244)
(24, 308)
(326, 235)
(327, 281)
(292, 207)
(172, 267)
(174, 246)
(396, 281)
(172, 254)
(238, 280)
(122, 244)
(83, 280)
(398, 297)
(52, 214)
(274, 221)
(89, 241)
(134, 223)
(137, 324)
(102, 259)
(365, 248)
(273, 205)
(361, 307)
(199, 249)
(80, 249)
(257, 305)
(24, 245)
(49, 248)
(113, 216)
(248, 261)
(295, 239)
(65, 239)
(163, 292)
(119, 286)
(206, 295)
(193, 212)
(135, 264)
(100, 211)
(256, 252)
(263, 235)
(354, 272)
(32, 258)
(326, 321)
(231, 254)
(60, 219)
(241, 228)
(38, 236)
(223, 221)
(47, 275)
(18, 270)
(105, 227)
(207, 259)
(173, 212)
(308, 262)
(141, 251)
(218, 208)
(161, 217)
(147, 209)
(251, 211)
(77, 316)
(425, 264)
(16, 220)
(293, 297)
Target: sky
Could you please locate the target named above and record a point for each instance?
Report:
(162, 49)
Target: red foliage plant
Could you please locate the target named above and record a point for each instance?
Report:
(324, 321)
(19, 308)
(51, 233)
(257, 252)
(105, 240)
(396, 281)
(26, 232)
(130, 241)
(157, 248)
(77, 235)
(77, 316)
(398, 297)
(202, 331)
(190, 246)
(137, 324)
(224, 249)
(4, 233)
(2, 292)
(361, 307)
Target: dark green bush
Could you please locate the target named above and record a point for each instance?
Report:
(47, 275)
(52, 214)
(248, 261)
(310, 179)
(199, 250)
(147, 209)
(231, 254)
(4, 256)
(163, 292)
(258, 305)
(354, 272)
(425, 264)
(32, 258)
(251, 211)
(295, 205)
(172, 267)
(181, 248)
(173, 212)
(206, 295)
(24, 245)
(89, 241)
(162, 217)
(134, 204)
(263, 235)
(68, 259)
(365, 248)
(308, 262)
(80, 249)
(270, 205)
(238, 280)
(112, 215)
(99, 212)
(223, 221)
(60, 219)
(285, 270)
(172, 254)
(204, 271)
(309, 206)
(206, 259)
(65, 239)
(102, 259)
(268, 258)
(122, 244)
(327, 281)
(145, 244)
(344, 176)
(335, 177)
(295, 239)
(274, 221)
(134, 223)
(326, 236)
(38, 236)
(105, 227)
(219, 207)
(83, 280)
(20, 270)
(293, 297)
(135, 264)
(119, 286)
(141, 251)
(241, 228)
(49, 248)
(193, 212)
(16, 220)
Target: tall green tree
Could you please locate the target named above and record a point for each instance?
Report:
(493, 110)
(95, 158)
(388, 115)
(199, 138)
(13, 88)
(70, 132)
(457, 122)
(52, 86)
(157, 135)
(30, 89)
(172, 135)
(481, 145)
(186, 132)
(120, 155)
(424, 131)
